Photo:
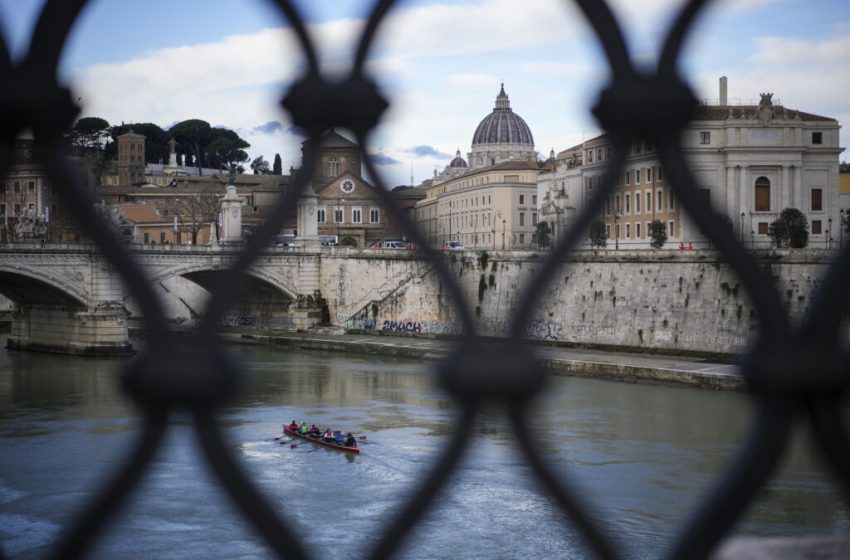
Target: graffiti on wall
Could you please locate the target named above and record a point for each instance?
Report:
(545, 330)
(419, 327)
(255, 322)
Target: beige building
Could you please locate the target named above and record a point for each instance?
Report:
(749, 161)
(492, 202)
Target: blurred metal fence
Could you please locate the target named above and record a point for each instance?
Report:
(793, 373)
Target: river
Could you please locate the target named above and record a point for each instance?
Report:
(643, 455)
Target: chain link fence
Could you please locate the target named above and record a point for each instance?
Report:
(793, 373)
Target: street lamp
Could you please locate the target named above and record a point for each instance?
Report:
(829, 233)
(752, 240)
(843, 227)
(503, 234)
(616, 231)
(743, 214)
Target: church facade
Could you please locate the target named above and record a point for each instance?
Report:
(491, 201)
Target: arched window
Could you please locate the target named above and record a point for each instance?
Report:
(333, 167)
(762, 195)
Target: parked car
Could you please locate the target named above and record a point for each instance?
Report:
(285, 240)
(328, 240)
(453, 246)
(393, 245)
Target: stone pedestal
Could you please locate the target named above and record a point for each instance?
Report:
(308, 229)
(231, 217)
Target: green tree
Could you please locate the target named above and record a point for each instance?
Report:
(598, 235)
(89, 133)
(192, 136)
(348, 241)
(260, 166)
(790, 229)
(225, 148)
(657, 234)
(543, 234)
(277, 168)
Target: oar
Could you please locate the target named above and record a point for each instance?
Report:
(358, 437)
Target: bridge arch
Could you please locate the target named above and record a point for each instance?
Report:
(29, 285)
(206, 275)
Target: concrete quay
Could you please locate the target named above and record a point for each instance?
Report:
(560, 360)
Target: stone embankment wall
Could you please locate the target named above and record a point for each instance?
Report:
(674, 300)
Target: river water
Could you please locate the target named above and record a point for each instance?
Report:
(643, 455)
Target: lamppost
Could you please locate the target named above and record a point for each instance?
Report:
(498, 215)
(503, 234)
(341, 217)
(743, 214)
(829, 233)
(843, 227)
(616, 231)
(752, 240)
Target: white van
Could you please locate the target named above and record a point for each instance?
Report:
(393, 245)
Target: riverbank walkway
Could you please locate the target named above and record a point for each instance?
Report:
(562, 360)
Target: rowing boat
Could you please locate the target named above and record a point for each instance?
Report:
(319, 440)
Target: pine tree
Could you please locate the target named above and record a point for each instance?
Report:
(277, 167)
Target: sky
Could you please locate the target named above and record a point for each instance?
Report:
(439, 62)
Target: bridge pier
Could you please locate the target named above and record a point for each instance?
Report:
(67, 329)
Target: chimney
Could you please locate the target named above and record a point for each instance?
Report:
(723, 90)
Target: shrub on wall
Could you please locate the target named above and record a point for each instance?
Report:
(790, 229)
(657, 234)
(598, 235)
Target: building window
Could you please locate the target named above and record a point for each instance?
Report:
(162, 238)
(589, 156)
(2, 209)
(617, 203)
(671, 228)
(534, 218)
(31, 186)
(764, 227)
(374, 215)
(338, 215)
(671, 201)
(17, 187)
(617, 231)
(608, 231)
(628, 231)
(637, 176)
(648, 174)
(356, 216)
(659, 199)
(147, 237)
(705, 137)
(321, 215)
(17, 209)
(522, 199)
(637, 203)
(817, 227)
(628, 203)
(333, 167)
(660, 173)
(648, 202)
(598, 154)
(534, 199)
(608, 206)
(817, 137)
(817, 200)
(522, 218)
(637, 231)
(762, 195)
(628, 177)
(522, 238)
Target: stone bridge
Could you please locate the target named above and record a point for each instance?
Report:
(68, 299)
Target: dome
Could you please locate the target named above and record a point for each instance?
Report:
(458, 161)
(502, 126)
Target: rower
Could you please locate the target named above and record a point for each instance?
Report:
(329, 436)
(293, 427)
(303, 428)
(350, 441)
